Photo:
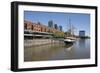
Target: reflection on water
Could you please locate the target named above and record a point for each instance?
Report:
(79, 50)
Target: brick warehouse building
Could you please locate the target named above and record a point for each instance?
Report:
(38, 30)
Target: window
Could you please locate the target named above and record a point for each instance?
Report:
(25, 25)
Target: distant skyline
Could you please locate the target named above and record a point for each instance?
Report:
(79, 20)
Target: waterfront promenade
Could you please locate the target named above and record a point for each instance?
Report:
(37, 42)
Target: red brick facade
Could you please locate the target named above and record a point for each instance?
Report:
(39, 27)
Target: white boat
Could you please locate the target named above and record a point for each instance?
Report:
(69, 40)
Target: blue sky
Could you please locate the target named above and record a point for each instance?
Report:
(78, 20)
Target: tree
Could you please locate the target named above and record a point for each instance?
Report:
(59, 34)
(67, 34)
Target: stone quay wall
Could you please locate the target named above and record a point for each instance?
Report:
(37, 42)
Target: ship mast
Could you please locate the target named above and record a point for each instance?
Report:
(71, 28)
(70, 25)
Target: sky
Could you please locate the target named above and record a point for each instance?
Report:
(79, 20)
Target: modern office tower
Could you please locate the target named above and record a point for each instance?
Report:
(50, 23)
(60, 28)
(82, 33)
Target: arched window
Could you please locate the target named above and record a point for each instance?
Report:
(32, 27)
(25, 25)
(45, 30)
(40, 29)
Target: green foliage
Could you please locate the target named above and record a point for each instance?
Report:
(67, 34)
(58, 34)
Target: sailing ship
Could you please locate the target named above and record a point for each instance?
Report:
(70, 39)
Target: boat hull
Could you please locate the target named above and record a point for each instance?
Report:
(67, 42)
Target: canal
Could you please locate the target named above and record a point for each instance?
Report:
(79, 50)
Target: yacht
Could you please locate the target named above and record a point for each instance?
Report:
(70, 39)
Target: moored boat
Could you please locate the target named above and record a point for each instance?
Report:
(69, 40)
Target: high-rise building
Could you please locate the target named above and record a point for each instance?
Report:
(55, 26)
(82, 33)
(50, 23)
(60, 28)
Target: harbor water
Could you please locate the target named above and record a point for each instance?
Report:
(80, 49)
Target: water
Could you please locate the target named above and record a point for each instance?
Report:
(79, 50)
